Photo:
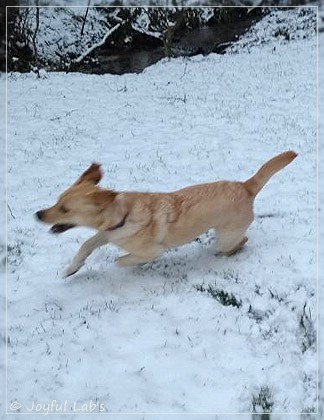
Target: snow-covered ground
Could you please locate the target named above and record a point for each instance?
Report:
(280, 24)
(147, 339)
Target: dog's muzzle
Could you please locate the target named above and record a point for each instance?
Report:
(57, 228)
(39, 214)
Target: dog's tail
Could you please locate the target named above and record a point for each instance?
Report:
(258, 181)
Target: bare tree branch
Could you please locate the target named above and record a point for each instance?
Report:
(36, 29)
(99, 44)
(85, 17)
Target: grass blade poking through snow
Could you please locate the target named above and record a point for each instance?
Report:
(222, 296)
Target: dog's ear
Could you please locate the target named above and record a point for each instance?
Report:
(93, 174)
(102, 198)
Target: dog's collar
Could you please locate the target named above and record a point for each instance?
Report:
(118, 225)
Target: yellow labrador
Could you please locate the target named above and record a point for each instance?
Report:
(145, 224)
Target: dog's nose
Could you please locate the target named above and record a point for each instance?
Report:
(39, 214)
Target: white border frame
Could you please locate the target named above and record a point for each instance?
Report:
(12, 412)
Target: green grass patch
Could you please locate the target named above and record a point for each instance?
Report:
(222, 296)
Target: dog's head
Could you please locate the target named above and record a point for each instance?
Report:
(82, 204)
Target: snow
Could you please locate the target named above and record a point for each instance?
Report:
(280, 26)
(52, 43)
(144, 339)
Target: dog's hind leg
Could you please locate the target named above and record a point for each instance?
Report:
(230, 242)
(101, 238)
(142, 258)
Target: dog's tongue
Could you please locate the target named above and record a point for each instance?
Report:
(59, 228)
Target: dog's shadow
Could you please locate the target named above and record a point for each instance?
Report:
(175, 266)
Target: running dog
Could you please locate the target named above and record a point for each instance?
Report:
(145, 224)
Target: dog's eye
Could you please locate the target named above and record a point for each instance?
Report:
(64, 209)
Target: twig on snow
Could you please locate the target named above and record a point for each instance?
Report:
(12, 215)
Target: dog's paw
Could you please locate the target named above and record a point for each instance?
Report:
(129, 260)
(234, 250)
(72, 269)
(123, 261)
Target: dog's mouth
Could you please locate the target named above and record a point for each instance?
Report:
(61, 227)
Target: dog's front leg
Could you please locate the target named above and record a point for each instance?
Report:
(101, 238)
